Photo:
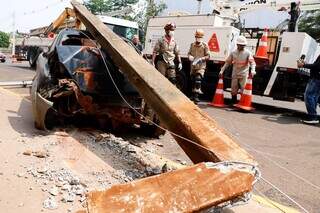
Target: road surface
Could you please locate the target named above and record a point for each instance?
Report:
(287, 151)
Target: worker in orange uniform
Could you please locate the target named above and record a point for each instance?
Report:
(242, 61)
(198, 56)
(168, 50)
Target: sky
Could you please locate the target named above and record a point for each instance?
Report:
(29, 13)
(38, 13)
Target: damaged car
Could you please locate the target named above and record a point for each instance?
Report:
(76, 80)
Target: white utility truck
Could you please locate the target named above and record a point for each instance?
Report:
(277, 77)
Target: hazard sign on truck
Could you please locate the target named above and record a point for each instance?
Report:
(219, 35)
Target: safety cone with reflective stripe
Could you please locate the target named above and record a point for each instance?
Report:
(218, 99)
(262, 51)
(245, 102)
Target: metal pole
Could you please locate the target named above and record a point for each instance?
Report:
(14, 34)
(199, 6)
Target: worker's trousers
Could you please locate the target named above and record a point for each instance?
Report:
(236, 82)
(311, 97)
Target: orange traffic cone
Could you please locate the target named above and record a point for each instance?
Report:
(218, 99)
(262, 51)
(245, 102)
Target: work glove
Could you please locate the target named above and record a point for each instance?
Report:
(253, 73)
(220, 74)
(197, 61)
(180, 66)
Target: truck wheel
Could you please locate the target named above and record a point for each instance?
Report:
(182, 81)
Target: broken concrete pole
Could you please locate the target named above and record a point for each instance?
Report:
(176, 111)
(186, 190)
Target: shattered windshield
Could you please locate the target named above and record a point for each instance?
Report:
(85, 65)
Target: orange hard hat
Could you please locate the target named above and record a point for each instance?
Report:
(199, 33)
(170, 26)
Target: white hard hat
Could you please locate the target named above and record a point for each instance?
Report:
(242, 40)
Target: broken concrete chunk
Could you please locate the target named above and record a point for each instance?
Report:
(78, 190)
(66, 187)
(50, 203)
(68, 197)
(54, 191)
(42, 170)
(75, 181)
(41, 154)
(27, 152)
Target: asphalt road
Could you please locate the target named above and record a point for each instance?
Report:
(288, 152)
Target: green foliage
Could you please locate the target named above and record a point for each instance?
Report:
(98, 6)
(120, 4)
(152, 9)
(4, 39)
(142, 15)
(310, 23)
(103, 6)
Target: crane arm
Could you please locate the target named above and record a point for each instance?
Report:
(66, 14)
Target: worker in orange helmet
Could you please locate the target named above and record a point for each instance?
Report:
(168, 51)
(243, 63)
(198, 55)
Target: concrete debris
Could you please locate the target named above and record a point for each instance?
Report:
(75, 181)
(41, 154)
(50, 203)
(143, 160)
(159, 144)
(27, 152)
(66, 187)
(23, 135)
(38, 154)
(68, 197)
(54, 191)
(60, 184)
(20, 175)
(42, 170)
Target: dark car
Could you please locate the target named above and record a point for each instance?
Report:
(2, 57)
(76, 80)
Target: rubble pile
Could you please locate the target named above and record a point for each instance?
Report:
(60, 184)
(141, 162)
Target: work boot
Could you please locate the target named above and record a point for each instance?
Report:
(196, 99)
(234, 100)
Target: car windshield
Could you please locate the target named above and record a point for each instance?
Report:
(76, 40)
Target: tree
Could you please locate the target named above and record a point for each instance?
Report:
(150, 10)
(310, 23)
(4, 39)
(98, 6)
